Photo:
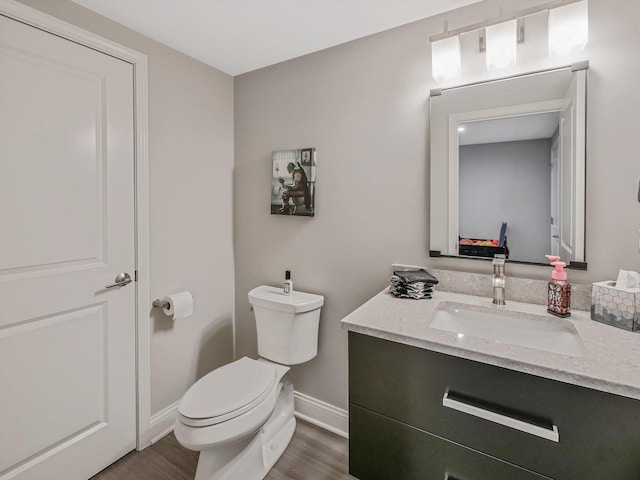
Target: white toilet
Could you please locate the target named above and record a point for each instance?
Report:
(240, 416)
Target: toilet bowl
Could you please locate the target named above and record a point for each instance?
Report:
(241, 415)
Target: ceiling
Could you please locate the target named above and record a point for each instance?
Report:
(238, 36)
(510, 129)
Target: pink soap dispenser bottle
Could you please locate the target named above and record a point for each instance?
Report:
(559, 292)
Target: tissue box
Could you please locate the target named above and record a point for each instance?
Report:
(616, 307)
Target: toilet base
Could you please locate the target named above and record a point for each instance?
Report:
(252, 457)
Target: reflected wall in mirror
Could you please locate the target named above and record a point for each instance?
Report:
(508, 168)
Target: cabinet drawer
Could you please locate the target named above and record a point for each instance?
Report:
(598, 433)
(381, 449)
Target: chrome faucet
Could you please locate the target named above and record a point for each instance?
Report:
(498, 281)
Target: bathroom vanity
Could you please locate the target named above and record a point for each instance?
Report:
(428, 403)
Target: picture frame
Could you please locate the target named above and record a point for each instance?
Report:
(306, 157)
(293, 182)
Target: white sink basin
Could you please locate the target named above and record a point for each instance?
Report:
(527, 330)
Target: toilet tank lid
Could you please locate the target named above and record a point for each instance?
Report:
(274, 299)
(228, 388)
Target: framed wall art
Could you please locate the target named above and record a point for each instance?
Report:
(293, 182)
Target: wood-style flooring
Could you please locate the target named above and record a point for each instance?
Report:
(313, 454)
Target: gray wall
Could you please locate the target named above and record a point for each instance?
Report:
(508, 182)
(364, 106)
(191, 167)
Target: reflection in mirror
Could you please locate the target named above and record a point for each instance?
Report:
(519, 149)
(507, 168)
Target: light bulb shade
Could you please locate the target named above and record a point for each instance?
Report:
(568, 28)
(502, 42)
(445, 59)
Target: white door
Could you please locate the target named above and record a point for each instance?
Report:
(567, 184)
(555, 196)
(67, 343)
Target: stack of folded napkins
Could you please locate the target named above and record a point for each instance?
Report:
(412, 284)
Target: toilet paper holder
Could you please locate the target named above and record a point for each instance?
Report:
(160, 304)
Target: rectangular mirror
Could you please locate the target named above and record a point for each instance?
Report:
(508, 168)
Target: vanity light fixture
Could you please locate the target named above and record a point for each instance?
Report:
(462, 128)
(501, 44)
(568, 28)
(445, 58)
(568, 32)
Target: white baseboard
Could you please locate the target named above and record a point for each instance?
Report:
(309, 409)
(161, 423)
(322, 414)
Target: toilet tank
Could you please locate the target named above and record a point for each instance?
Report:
(287, 325)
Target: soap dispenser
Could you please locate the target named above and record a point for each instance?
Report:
(559, 292)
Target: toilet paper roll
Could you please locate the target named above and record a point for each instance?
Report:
(180, 305)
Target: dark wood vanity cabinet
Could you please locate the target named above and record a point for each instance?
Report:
(385, 449)
(419, 414)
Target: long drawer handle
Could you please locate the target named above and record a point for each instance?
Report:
(546, 433)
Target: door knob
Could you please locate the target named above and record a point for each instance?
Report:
(121, 280)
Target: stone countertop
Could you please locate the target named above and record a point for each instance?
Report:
(611, 362)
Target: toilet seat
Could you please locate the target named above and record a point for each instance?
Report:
(228, 392)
